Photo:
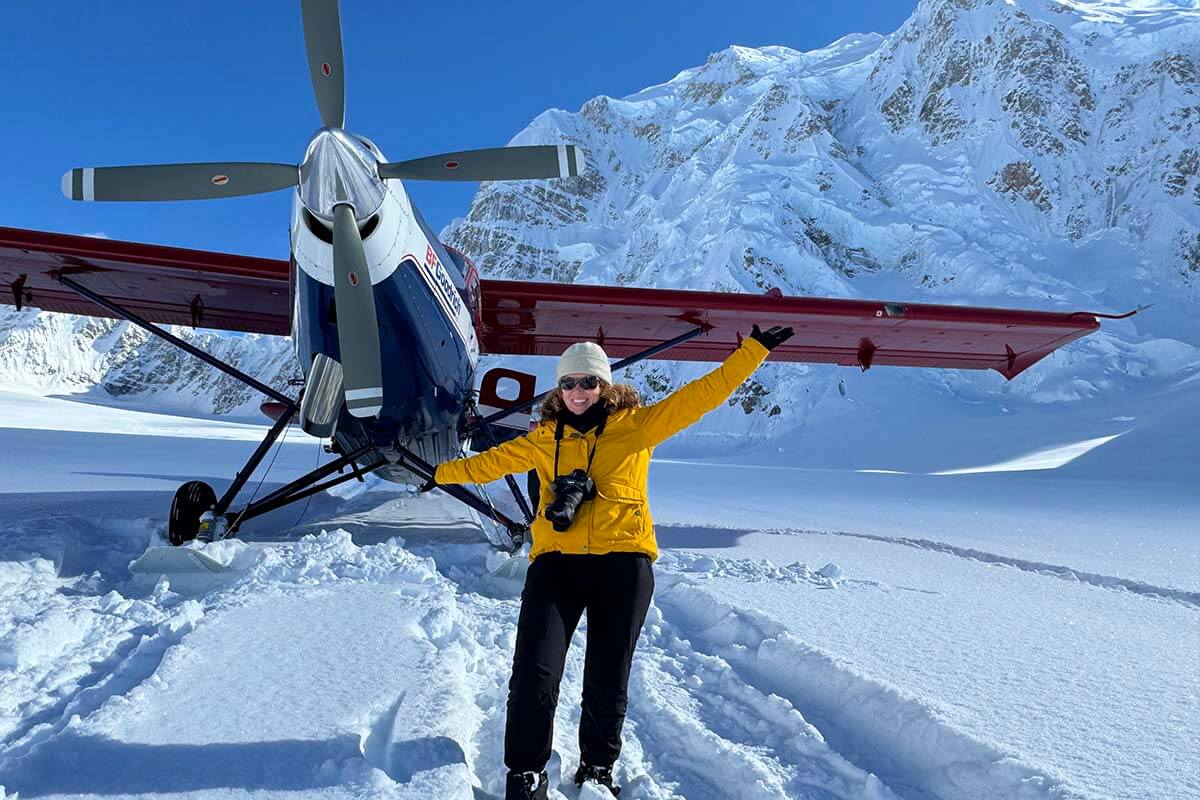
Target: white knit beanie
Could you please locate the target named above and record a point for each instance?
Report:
(586, 357)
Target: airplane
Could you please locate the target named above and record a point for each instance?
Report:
(388, 323)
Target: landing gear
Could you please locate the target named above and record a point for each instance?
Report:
(197, 512)
(190, 502)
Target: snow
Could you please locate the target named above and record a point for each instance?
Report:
(1061, 675)
(908, 584)
(815, 633)
(29, 411)
(1051, 458)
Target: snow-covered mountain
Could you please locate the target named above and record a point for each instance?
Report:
(1025, 153)
(67, 354)
(945, 152)
(1033, 154)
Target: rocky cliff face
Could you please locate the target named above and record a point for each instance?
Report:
(1069, 121)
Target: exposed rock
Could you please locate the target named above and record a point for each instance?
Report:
(1021, 180)
(943, 122)
(1186, 167)
(898, 107)
(1189, 254)
(752, 396)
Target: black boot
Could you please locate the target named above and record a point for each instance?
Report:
(526, 786)
(600, 775)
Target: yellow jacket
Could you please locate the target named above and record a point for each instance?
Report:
(618, 518)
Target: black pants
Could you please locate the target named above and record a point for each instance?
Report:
(615, 591)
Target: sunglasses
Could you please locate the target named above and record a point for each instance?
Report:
(588, 382)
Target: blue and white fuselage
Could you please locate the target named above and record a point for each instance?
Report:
(428, 344)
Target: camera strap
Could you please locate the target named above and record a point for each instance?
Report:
(558, 435)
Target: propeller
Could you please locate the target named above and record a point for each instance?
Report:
(323, 40)
(177, 181)
(337, 154)
(357, 325)
(492, 164)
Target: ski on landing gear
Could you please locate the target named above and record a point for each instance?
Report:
(181, 546)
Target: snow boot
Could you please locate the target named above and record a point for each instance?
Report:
(526, 786)
(601, 776)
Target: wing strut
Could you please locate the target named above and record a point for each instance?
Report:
(260, 452)
(124, 313)
(307, 485)
(649, 352)
(517, 532)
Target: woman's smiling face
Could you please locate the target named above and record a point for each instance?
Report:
(577, 398)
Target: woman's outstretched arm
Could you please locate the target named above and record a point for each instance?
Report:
(691, 402)
(516, 455)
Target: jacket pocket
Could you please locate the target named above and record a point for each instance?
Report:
(620, 514)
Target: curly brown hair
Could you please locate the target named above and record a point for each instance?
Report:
(614, 396)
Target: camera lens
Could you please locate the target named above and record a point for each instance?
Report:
(569, 492)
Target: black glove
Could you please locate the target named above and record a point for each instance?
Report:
(772, 337)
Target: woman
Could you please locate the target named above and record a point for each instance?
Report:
(593, 543)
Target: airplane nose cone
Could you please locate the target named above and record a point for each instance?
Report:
(332, 154)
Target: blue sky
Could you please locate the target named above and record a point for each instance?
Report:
(124, 82)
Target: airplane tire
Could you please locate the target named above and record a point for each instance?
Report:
(190, 501)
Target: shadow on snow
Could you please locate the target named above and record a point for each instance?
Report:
(73, 764)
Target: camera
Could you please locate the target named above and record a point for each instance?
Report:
(570, 491)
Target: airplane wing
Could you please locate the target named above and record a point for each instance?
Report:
(240, 293)
(521, 317)
(166, 285)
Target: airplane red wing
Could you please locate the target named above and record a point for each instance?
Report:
(240, 293)
(163, 284)
(521, 317)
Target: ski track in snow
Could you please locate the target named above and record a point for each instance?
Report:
(723, 703)
(702, 726)
(1038, 567)
(893, 737)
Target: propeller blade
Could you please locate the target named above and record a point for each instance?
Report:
(493, 164)
(357, 325)
(177, 181)
(323, 40)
